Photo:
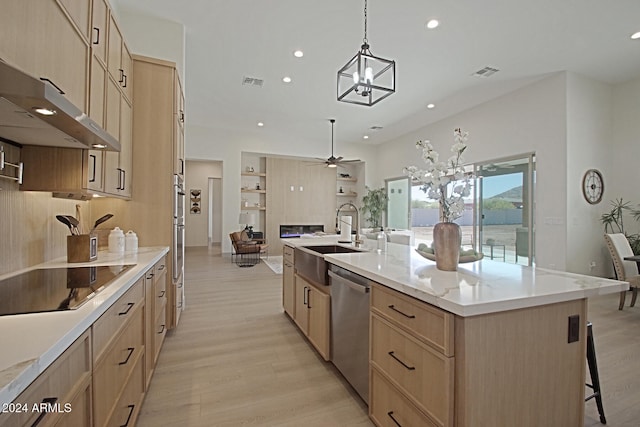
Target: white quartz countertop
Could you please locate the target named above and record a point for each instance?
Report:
(479, 287)
(31, 342)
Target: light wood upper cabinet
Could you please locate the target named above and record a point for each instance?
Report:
(99, 26)
(178, 126)
(40, 38)
(78, 10)
(118, 166)
(120, 61)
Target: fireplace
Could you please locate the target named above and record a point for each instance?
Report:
(287, 231)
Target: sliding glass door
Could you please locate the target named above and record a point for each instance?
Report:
(398, 201)
(504, 209)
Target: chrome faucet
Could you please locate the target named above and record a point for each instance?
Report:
(357, 241)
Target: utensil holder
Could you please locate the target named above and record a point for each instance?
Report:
(82, 248)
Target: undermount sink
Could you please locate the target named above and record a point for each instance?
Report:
(310, 263)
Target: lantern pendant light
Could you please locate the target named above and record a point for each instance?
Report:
(366, 79)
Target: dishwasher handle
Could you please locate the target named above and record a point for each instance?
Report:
(363, 289)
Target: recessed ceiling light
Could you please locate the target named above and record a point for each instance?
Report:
(298, 54)
(260, 124)
(430, 106)
(365, 137)
(432, 23)
(286, 79)
(635, 36)
(99, 146)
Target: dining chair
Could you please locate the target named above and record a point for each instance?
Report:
(627, 271)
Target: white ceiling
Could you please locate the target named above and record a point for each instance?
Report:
(524, 39)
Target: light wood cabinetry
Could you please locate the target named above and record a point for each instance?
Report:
(48, 39)
(118, 357)
(312, 311)
(66, 382)
(118, 166)
(155, 149)
(288, 280)
(155, 307)
(444, 370)
(178, 126)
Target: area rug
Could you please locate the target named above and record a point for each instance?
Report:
(274, 263)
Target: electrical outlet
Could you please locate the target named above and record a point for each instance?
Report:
(592, 265)
(574, 328)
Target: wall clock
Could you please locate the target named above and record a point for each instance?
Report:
(592, 186)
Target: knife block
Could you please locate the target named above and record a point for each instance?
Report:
(82, 248)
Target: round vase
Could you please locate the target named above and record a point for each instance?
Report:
(447, 239)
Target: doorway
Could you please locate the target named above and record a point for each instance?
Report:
(504, 209)
(398, 202)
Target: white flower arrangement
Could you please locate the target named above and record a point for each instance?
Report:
(437, 175)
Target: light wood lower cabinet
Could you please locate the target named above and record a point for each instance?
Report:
(313, 315)
(64, 389)
(430, 367)
(288, 281)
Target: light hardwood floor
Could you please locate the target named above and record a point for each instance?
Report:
(237, 360)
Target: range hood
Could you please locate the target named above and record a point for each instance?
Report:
(66, 126)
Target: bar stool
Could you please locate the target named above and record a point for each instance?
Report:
(593, 370)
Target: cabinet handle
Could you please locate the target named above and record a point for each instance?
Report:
(97, 30)
(124, 178)
(93, 176)
(181, 116)
(304, 295)
(44, 79)
(309, 298)
(390, 414)
(125, 80)
(409, 316)
(181, 166)
(161, 294)
(121, 75)
(124, 313)
(161, 330)
(49, 400)
(411, 368)
(130, 349)
(181, 284)
(131, 409)
(161, 267)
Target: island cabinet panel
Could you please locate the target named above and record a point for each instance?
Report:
(312, 311)
(391, 408)
(518, 368)
(288, 281)
(64, 387)
(430, 324)
(420, 372)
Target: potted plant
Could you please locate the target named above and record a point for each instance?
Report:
(374, 203)
(613, 222)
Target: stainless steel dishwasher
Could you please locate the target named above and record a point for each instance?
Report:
(350, 294)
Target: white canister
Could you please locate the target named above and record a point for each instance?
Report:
(130, 242)
(116, 241)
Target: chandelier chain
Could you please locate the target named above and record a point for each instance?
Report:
(365, 40)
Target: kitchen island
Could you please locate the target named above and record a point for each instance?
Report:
(84, 342)
(491, 344)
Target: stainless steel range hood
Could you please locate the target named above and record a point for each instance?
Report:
(20, 96)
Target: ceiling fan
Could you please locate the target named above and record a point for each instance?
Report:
(333, 161)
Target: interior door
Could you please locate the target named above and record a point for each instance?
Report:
(504, 209)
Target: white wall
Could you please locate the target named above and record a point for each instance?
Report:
(154, 37)
(197, 177)
(531, 119)
(589, 130)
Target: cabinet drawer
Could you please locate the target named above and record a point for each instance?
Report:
(422, 372)
(159, 331)
(128, 406)
(288, 253)
(160, 270)
(110, 375)
(389, 408)
(57, 385)
(430, 324)
(113, 320)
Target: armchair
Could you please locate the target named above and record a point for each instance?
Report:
(246, 252)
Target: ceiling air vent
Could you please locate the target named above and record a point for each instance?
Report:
(375, 127)
(485, 72)
(252, 81)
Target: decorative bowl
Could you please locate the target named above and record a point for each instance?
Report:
(463, 258)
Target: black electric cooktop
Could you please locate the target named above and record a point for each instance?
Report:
(55, 289)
